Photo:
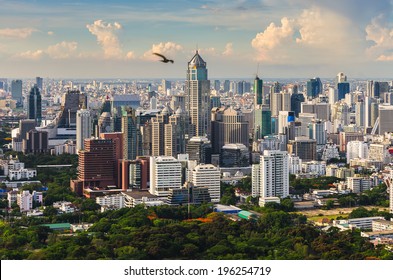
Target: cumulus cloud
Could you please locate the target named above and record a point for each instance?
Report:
(381, 35)
(107, 37)
(168, 49)
(130, 55)
(228, 49)
(62, 50)
(20, 33)
(30, 55)
(272, 37)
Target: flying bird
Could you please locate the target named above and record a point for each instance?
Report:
(164, 59)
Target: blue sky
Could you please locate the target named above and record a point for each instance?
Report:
(287, 38)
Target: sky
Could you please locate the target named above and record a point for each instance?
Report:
(237, 39)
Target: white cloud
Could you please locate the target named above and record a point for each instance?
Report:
(381, 35)
(50, 33)
(272, 37)
(130, 55)
(62, 50)
(168, 49)
(30, 55)
(20, 33)
(107, 37)
(228, 49)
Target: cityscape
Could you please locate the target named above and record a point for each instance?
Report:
(185, 151)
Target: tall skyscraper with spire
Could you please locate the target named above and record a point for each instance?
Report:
(198, 96)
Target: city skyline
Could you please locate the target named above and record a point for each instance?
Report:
(287, 38)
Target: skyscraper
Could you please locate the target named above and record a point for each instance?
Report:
(39, 82)
(314, 87)
(258, 91)
(83, 128)
(132, 134)
(198, 95)
(342, 90)
(273, 175)
(34, 110)
(165, 174)
(207, 175)
(16, 91)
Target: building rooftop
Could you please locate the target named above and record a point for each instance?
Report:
(139, 194)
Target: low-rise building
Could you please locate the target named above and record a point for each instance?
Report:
(381, 225)
(64, 206)
(115, 201)
(361, 223)
(134, 198)
(359, 184)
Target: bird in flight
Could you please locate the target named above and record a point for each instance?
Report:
(164, 59)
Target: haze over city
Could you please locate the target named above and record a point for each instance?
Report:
(288, 38)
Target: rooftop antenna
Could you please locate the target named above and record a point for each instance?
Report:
(257, 69)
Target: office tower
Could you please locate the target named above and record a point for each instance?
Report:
(16, 91)
(385, 119)
(36, 142)
(72, 101)
(24, 127)
(38, 82)
(105, 123)
(296, 101)
(226, 85)
(198, 95)
(314, 88)
(228, 127)
(332, 95)
(342, 89)
(262, 122)
(117, 139)
(318, 133)
(96, 165)
(199, 149)
(369, 88)
(276, 88)
(132, 134)
(284, 118)
(207, 175)
(345, 137)
(217, 85)
(165, 174)
(258, 91)
(34, 111)
(165, 85)
(275, 103)
(83, 128)
(273, 174)
(234, 155)
(175, 133)
(304, 148)
(158, 132)
(360, 114)
(129, 100)
(286, 101)
(356, 149)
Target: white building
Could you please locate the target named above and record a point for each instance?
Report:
(64, 206)
(331, 170)
(207, 175)
(115, 201)
(83, 127)
(330, 151)
(264, 200)
(134, 198)
(314, 167)
(356, 149)
(379, 152)
(361, 223)
(25, 201)
(294, 164)
(255, 180)
(21, 174)
(381, 225)
(12, 197)
(165, 174)
(359, 184)
(274, 174)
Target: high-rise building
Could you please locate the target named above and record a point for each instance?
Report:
(34, 111)
(217, 85)
(262, 122)
(228, 127)
(117, 138)
(16, 91)
(207, 175)
(158, 132)
(273, 174)
(175, 132)
(226, 85)
(385, 119)
(83, 128)
(72, 101)
(304, 148)
(199, 149)
(96, 165)
(39, 83)
(296, 101)
(165, 174)
(258, 91)
(198, 95)
(234, 155)
(314, 88)
(132, 134)
(284, 118)
(165, 85)
(275, 103)
(341, 78)
(342, 90)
